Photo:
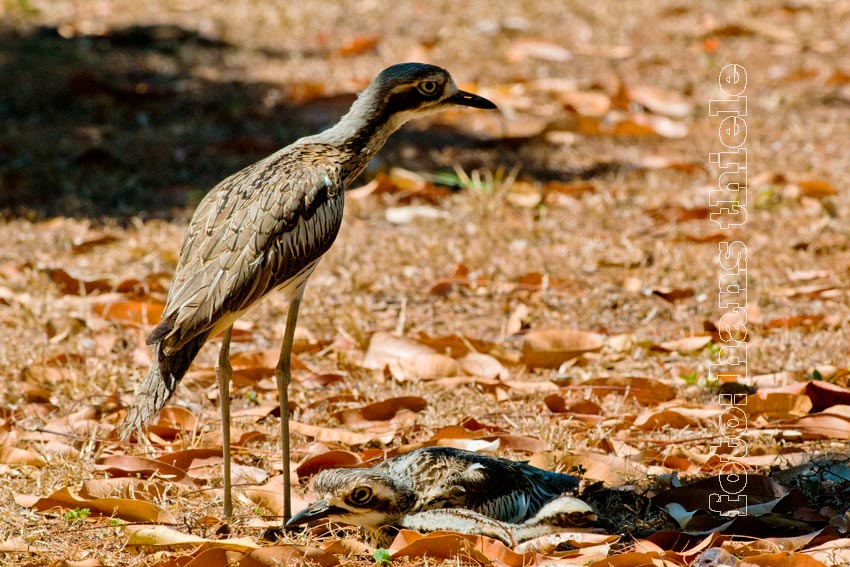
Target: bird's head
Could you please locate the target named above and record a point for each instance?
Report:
(360, 497)
(409, 90)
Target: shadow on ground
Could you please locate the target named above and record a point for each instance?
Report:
(126, 124)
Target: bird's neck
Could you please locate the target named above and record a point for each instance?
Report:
(361, 134)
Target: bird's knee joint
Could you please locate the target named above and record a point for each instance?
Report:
(283, 376)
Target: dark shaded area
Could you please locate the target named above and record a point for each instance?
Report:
(125, 124)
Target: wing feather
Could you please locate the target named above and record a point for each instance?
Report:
(254, 231)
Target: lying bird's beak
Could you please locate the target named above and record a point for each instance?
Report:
(316, 511)
(464, 98)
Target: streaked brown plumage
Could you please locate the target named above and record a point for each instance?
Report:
(265, 228)
(558, 515)
(433, 478)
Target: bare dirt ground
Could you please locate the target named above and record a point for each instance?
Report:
(583, 207)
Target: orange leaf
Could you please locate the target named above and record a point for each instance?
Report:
(18, 545)
(270, 496)
(686, 344)
(653, 420)
(817, 189)
(803, 322)
(126, 509)
(327, 460)
(70, 285)
(264, 360)
(358, 45)
(551, 348)
(15, 456)
(121, 487)
(821, 426)
(586, 103)
(126, 465)
(381, 411)
(330, 435)
(454, 345)
(776, 405)
(86, 245)
(610, 469)
(645, 391)
(557, 404)
(133, 312)
(660, 101)
(386, 348)
(631, 559)
(429, 366)
(674, 294)
(449, 545)
(531, 48)
(190, 459)
(278, 555)
(483, 365)
(783, 559)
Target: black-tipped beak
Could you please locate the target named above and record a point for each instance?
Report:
(316, 511)
(464, 98)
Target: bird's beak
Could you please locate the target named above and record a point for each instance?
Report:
(316, 511)
(464, 98)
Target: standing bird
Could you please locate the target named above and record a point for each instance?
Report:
(265, 228)
(393, 493)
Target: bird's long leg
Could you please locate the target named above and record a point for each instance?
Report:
(284, 377)
(223, 373)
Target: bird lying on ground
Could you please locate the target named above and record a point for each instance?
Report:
(265, 228)
(562, 513)
(433, 478)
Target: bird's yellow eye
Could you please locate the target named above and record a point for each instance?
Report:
(361, 495)
(428, 88)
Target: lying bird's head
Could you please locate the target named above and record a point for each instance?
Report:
(360, 497)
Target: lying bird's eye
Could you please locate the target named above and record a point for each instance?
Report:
(428, 88)
(361, 495)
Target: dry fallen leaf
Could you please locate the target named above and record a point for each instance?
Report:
(645, 391)
(19, 545)
(133, 312)
(16, 456)
(71, 285)
(327, 460)
(331, 435)
(428, 366)
(586, 103)
(123, 508)
(551, 348)
(660, 101)
(686, 344)
(380, 411)
(450, 545)
(817, 189)
(277, 555)
(270, 496)
(163, 537)
(530, 48)
(385, 348)
(557, 404)
(127, 465)
(776, 405)
(484, 365)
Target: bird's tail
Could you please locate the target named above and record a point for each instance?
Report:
(165, 373)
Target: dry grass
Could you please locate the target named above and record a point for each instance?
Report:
(378, 274)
